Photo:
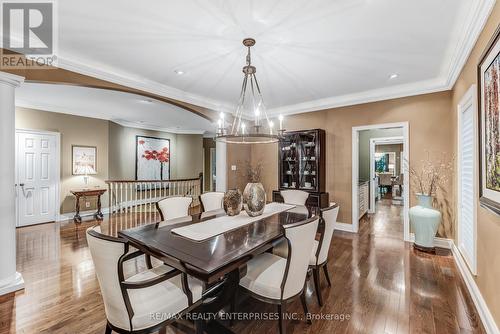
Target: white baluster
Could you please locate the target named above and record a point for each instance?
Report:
(111, 198)
(156, 186)
(135, 202)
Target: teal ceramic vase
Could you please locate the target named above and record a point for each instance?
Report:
(424, 220)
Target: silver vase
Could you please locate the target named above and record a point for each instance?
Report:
(254, 199)
(232, 202)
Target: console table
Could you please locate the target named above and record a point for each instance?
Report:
(88, 193)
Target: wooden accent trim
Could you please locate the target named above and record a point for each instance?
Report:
(59, 76)
(150, 282)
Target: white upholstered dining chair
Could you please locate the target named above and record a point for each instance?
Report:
(320, 258)
(321, 247)
(174, 207)
(129, 303)
(276, 280)
(211, 201)
(296, 197)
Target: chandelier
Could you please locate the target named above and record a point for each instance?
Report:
(250, 123)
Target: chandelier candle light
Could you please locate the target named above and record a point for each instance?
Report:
(262, 131)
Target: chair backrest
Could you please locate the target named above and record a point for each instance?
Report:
(300, 238)
(174, 207)
(329, 216)
(106, 252)
(385, 179)
(211, 200)
(296, 197)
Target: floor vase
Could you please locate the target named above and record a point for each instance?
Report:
(424, 220)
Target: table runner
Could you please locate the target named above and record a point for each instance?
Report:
(210, 228)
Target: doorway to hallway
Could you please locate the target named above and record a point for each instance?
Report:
(380, 179)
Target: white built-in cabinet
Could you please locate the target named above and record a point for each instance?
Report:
(364, 197)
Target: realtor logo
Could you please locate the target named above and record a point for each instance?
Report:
(29, 34)
(28, 28)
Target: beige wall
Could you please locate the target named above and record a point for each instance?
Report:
(189, 156)
(488, 224)
(186, 152)
(74, 130)
(364, 147)
(237, 155)
(266, 154)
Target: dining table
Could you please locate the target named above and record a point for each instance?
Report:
(219, 259)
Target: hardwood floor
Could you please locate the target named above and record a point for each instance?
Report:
(380, 285)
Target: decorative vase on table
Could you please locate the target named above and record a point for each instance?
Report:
(425, 221)
(232, 202)
(254, 199)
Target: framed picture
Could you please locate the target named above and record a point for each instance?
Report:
(152, 160)
(84, 160)
(489, 125)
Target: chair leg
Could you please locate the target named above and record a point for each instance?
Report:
(304, 306)
(198, 325)
(232, 307)
(149, 264)
(108, 329)
(317, 286)
(325, 269)
(281, 314)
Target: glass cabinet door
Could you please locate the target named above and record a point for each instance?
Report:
(308, 165)
(289, 162)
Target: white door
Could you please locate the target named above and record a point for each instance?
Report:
(37, 177)
(466, 176)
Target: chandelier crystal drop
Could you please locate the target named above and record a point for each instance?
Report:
(250, 123)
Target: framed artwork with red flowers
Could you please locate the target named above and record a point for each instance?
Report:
(152, 158)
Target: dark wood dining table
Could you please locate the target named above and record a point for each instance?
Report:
(219, 260)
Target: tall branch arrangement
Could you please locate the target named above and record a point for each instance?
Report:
(253, 173)
(433, 174)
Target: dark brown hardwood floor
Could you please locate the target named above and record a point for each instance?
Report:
(380, 285)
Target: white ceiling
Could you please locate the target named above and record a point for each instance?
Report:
(310, 54)
(123, 108)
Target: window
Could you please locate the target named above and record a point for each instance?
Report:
(466, 178)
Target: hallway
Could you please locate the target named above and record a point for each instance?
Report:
(387, 221)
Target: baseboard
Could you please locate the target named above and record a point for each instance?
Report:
(438, 242)
(17, 284)
(484, 313)
(343, 227)
(83, 214)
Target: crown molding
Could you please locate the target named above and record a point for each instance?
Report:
(473, 23)
(11, 79)
(141, 83)
(394, 92)
(134, 125)
(62, 110)
(476, 22)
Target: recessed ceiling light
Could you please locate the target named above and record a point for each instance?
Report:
(393, 76)
(179, 72)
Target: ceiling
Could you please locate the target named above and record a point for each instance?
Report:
(123, 108)
(310, 54)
